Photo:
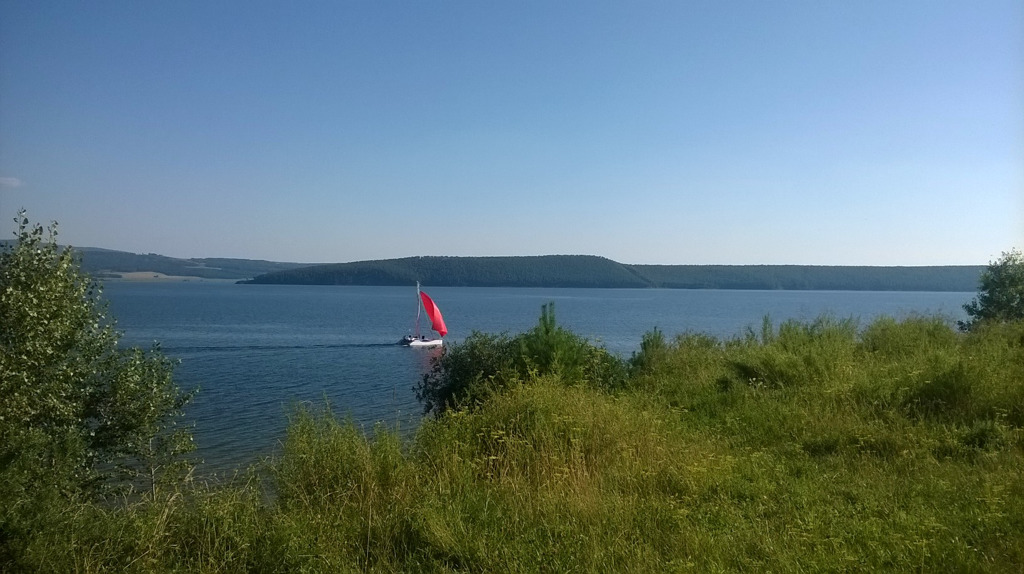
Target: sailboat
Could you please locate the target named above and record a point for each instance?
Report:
(424, 302)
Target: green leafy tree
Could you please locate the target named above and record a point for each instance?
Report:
(467, 373)
(1000, 294)
(550, 348)
(79, 416)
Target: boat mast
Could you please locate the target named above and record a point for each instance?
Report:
(419, 304)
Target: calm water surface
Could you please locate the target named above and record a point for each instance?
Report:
(257, 350)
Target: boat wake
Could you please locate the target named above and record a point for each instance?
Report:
(227, 348)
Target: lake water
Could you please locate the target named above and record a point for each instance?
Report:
(257, 350)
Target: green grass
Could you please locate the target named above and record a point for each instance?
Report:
(816, 446)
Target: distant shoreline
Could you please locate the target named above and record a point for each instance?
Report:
(529, 271)
(154, 277)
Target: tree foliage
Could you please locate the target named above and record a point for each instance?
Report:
(467, 373)
(1000, 294)
(78, 415)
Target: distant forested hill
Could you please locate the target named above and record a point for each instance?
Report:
(540, 271)
(592, 271)
(813, 277)
(107, 263)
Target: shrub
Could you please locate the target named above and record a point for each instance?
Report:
(797, 354)
(886, 337)
(654, 351)
(467, 373)
(549, 348)
(78, 415)
(1000, 292)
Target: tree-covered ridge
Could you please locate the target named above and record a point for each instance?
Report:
(109, 263)
(592, 271)
(539, 271)
(812, 277)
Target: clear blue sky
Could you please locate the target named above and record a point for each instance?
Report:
(676, 132)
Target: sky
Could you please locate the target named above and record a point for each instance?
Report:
(649, 132)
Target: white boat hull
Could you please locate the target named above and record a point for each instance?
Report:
(409, 341)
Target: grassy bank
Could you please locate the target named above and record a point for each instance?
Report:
(799, 447)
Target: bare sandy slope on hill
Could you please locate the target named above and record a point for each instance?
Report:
(153, 276)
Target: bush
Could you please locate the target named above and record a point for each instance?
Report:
(892, 339)
(654, 351)
(1000, 293)
(551, 349)
(815, 353)
(79, 416)
(465, 374)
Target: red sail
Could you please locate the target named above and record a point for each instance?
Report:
(436, 320)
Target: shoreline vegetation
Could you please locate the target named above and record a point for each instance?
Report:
(804, 446)
(820, 445)
(155, 277)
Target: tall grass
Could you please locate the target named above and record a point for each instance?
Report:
(803, 446)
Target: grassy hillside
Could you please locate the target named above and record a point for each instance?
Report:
(590, 271)
(818, 446)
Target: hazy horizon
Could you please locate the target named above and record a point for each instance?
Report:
(668, 133)
(84, 247)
